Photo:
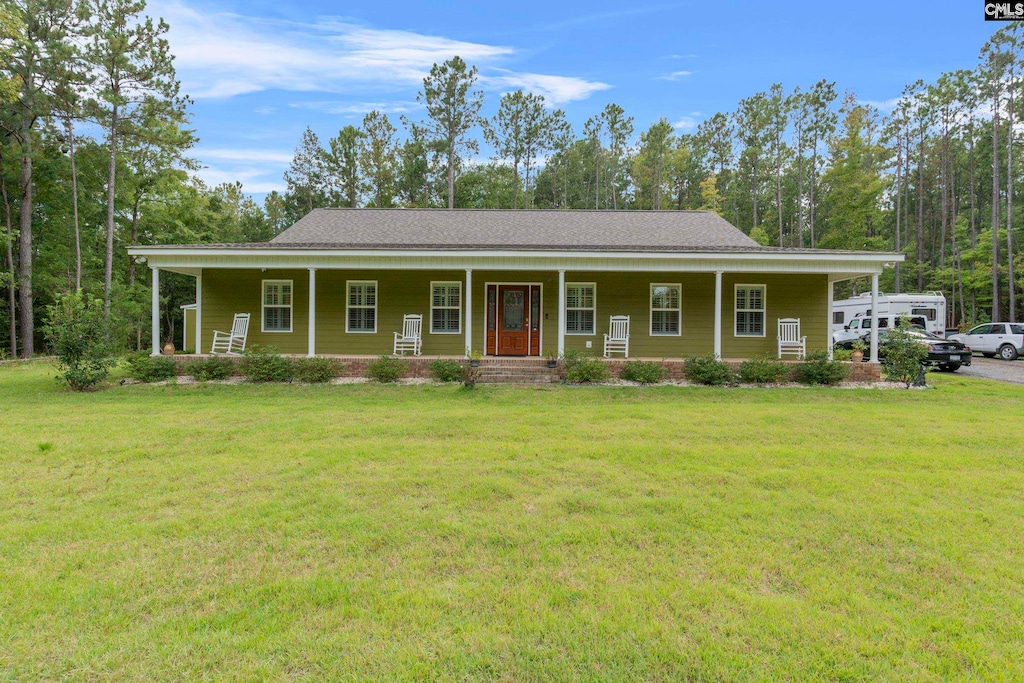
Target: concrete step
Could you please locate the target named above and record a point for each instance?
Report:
(518, 379)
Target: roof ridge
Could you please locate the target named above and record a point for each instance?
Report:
(472, 209)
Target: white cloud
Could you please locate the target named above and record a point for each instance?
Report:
(219, 55)
(685, 123)
(882, 105)
(357, 108)
(675, 76)
(253, 181)
(679, 57)
(264, 110)
(555, 89)
(252, 155)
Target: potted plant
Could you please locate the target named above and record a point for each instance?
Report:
(169, 348)
(474, 358)
(858, 347)
(552, 358)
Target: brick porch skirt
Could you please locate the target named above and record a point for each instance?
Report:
(532, 370)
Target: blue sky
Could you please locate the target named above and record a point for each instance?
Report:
(260, 72)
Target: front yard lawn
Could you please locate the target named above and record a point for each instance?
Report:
(388, 533)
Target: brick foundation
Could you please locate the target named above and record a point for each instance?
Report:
(534, 370)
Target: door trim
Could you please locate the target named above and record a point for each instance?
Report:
(540, 329)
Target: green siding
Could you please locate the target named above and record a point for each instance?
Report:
(786, 296)
(230, 291)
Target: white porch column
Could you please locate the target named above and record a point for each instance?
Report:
(156, 312)
(312, 313)
(718, 314)
(469, 310)
(831, 299)
(874, 318)
(561, 312)
(199, 313)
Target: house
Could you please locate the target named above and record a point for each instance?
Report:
(517, 283)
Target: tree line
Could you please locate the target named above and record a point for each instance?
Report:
(96, 141)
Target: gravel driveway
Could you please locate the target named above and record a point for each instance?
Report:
(989, 368)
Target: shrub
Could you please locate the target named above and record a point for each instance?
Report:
(818, 368)
(265, 364)
(143, 367)
(585, 370)
(386, 368)
(642, 371)
(708, 370)
(77, 335)
(447, 370)
(766, 369)
(903, 356)
(842, 354)
(212, 368)
(315, 370)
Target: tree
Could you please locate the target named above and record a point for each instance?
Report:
(620, 129)
(135, 79)
(453, 109)
(650, 174)
(993, 70)
(378, 158)
(753, 118)
(821, 123)
(306, 175)
(341, 166)
(37, 60)
(414, 169)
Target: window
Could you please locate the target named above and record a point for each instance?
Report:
(665, 310)
(749, 311)
(1016, 329)
(277, 305)
(361, 315)
(445, 307)
(580, 304)
(838, 317)
(928, 313)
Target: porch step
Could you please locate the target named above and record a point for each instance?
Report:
(516, 371)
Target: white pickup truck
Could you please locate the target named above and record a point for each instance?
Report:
(861, 325)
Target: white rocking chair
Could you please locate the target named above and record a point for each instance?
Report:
(617, 339)
(410, 339)
(232, 343)
(790, 340)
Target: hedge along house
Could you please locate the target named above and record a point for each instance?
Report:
(516, 283)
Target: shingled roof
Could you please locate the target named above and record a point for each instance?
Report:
(526, 229)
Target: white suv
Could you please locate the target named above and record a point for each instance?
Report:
(1004, 339)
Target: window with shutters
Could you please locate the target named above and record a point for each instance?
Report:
(580, 307)
(361, 308)
(665, 309)
(277, 306)
(445, 307)
(749, 310)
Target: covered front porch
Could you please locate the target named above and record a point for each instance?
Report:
(677, 307)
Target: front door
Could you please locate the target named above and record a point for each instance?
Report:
(513, 321)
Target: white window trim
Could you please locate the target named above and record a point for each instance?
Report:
(763, 311)
(376, 301)
(651, 309)
(579, 308)
(263, 306)
(458, 308)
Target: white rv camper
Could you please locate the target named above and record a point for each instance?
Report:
(929, 305)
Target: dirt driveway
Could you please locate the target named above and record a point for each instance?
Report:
(1001, 370)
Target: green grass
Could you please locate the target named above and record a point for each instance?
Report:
(432, 533)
